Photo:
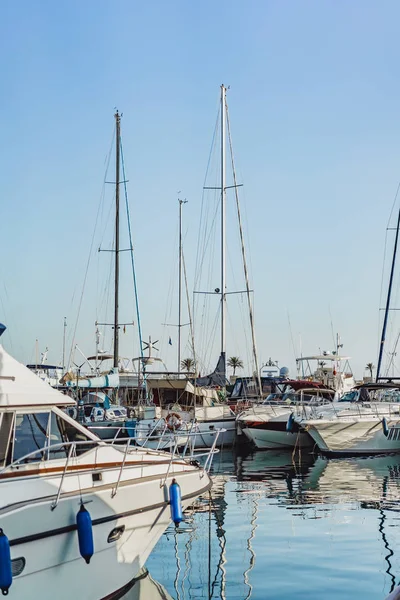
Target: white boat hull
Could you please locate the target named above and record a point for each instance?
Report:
(270, 439)
(265, 427)
(346, 437)
(204, 432)
(47, 539)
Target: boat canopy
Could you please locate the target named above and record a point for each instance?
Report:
(301, 384)
(109, 380)
(183, 385)
(21, 387)
(370, 386)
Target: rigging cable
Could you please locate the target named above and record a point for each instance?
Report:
(384, 258)
(133, 267)
(246, 276)
(88, 264)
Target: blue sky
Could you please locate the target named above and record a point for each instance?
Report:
(314, 112)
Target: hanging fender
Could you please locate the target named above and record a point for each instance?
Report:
(5, 564)
(385, 427)
(175, 499)
(290, 423)
(85, 533)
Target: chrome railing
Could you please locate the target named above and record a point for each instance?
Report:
(125, 447)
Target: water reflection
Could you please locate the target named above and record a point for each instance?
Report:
(327, 520)
(146, 588)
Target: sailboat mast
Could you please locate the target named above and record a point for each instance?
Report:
(63, 351)
(116, 296)
(385, 320)
(223, 228)
(180, 284)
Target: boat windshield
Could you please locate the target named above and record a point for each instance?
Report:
(349, 396)
(32, 432)
(38, 434)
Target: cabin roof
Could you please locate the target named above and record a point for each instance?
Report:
(19, 386)
(378, 386)
(323, 357)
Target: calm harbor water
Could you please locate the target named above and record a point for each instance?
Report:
(280, 527)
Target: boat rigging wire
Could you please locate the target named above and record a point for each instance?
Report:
(89, 258)
(212, 149)
(384, 258)
(133, 266)
(246, 274)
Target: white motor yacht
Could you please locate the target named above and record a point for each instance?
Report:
(367, 424)
(51, 469)
(271, 425)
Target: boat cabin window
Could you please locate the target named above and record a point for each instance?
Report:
(30, 435)
(71, 434)
(56, 437)
(39, 434)
(6, 427)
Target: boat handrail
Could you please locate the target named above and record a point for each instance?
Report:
(104, 443)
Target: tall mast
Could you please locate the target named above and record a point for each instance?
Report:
(63, 352)
(117, 164)
(223, 228)
(180, 284)
(385, 320)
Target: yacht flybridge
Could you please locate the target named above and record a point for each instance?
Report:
(329, 368)
(79, 517)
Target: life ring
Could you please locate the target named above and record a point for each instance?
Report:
(173, 421)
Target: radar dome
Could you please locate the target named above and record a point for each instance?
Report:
(283, 372)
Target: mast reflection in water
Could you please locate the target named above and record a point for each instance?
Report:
(279, 526)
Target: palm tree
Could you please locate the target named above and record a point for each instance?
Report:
(236, 363)
(370, 367)
(188, 365)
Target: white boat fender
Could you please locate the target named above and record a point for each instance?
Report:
(85, 533)
(290, 423)
(385, 427)
(175, 499)
(5, 564)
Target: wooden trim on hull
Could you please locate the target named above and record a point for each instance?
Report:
(87, 467)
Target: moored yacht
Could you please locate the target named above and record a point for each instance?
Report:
(187, 406)
(367, 424)
(271, 425)
(329, 368)
(51, 469)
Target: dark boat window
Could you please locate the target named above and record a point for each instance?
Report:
(30, 435)
(56, 437)
(6, 425)
(70, 433)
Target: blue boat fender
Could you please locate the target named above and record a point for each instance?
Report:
(290, 423)
(5, 564)
(175, 499)
(85, 533)
(385, 427)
